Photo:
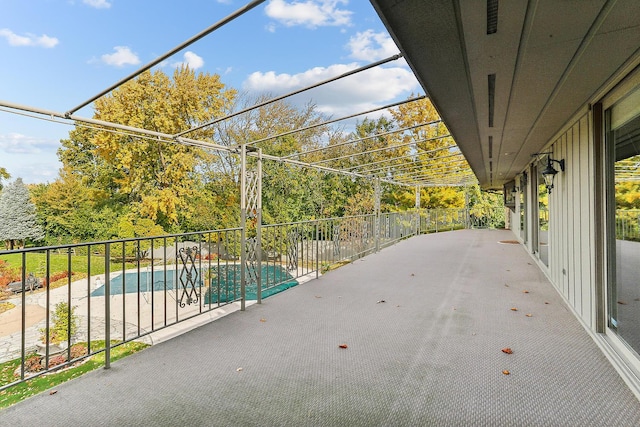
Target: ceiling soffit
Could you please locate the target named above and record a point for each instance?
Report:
(548, 59)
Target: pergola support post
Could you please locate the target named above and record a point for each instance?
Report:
(376, 208)
(250, 222)
(418, 189)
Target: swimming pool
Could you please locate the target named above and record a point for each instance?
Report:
(225, 283)
(148, 282)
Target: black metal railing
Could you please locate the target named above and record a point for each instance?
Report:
(81, 299)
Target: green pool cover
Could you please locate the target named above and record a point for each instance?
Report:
(225, 283)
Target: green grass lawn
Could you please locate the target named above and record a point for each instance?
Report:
(36, 263)
(33, 386)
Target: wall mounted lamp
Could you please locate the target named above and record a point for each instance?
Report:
(549, 172)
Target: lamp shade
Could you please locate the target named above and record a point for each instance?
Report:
(549, 174)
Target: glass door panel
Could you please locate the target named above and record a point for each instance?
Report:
(543, 219)
(623, 140)
(523, 207)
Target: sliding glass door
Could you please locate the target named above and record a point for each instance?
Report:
(622, 123)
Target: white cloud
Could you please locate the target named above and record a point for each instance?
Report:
(349, 95)
(32, 158)
(16, 143)
(191, 60)
(122, 56)
(34, 171)
(28, 40)
(98, 4)
(309, 13)
(370, 46)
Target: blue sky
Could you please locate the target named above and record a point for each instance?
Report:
(56, 54)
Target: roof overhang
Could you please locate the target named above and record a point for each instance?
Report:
(506, 94)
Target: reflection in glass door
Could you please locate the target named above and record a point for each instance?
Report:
(543, 219)
(523, 207)
(623, 142)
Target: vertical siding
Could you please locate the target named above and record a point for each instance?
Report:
(570, 174)
(586, 248)
(571, 222)
(577, 231)
(563, 273)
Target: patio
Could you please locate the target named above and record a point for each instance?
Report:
(424, 322)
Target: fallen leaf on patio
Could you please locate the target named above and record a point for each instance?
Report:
(381, 301)
(263, 320)
(239, 370)
(508, 270)
(507, 350)
(506, 372)
(525, 292)
(506, 286)
(514, 309)
(342, 346)
(318, 296)
(622, 303)
(53, 392)
(529, 315)
(546, 302)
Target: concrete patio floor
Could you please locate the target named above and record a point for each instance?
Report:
(424, 323)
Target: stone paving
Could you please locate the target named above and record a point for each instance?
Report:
(91, 312)
(131, 315)
(11, 344)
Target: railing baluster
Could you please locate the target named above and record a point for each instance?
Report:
(313, 245)
(107, 305)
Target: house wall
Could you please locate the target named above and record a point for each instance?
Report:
(571, 213)
(578, 251)
(571, 217)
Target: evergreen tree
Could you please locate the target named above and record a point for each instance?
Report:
(18, 215)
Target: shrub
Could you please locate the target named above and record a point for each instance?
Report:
(7, 274)
(57, 360)
(64, 318)
(33, 363)
(55, 277)
(78, 350)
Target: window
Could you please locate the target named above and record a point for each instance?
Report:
(543, 217)
(622, 123)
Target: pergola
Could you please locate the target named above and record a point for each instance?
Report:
(415, 169)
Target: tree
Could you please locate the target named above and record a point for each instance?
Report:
(435, 149)
(18, 220)
(3, 175)
(71, 213)
(155, 179)
(289, 193)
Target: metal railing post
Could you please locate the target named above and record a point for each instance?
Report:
(376, 208)
(107, 306)
(243, 224)
(317, 249)
(258, 219)
(418, 210)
